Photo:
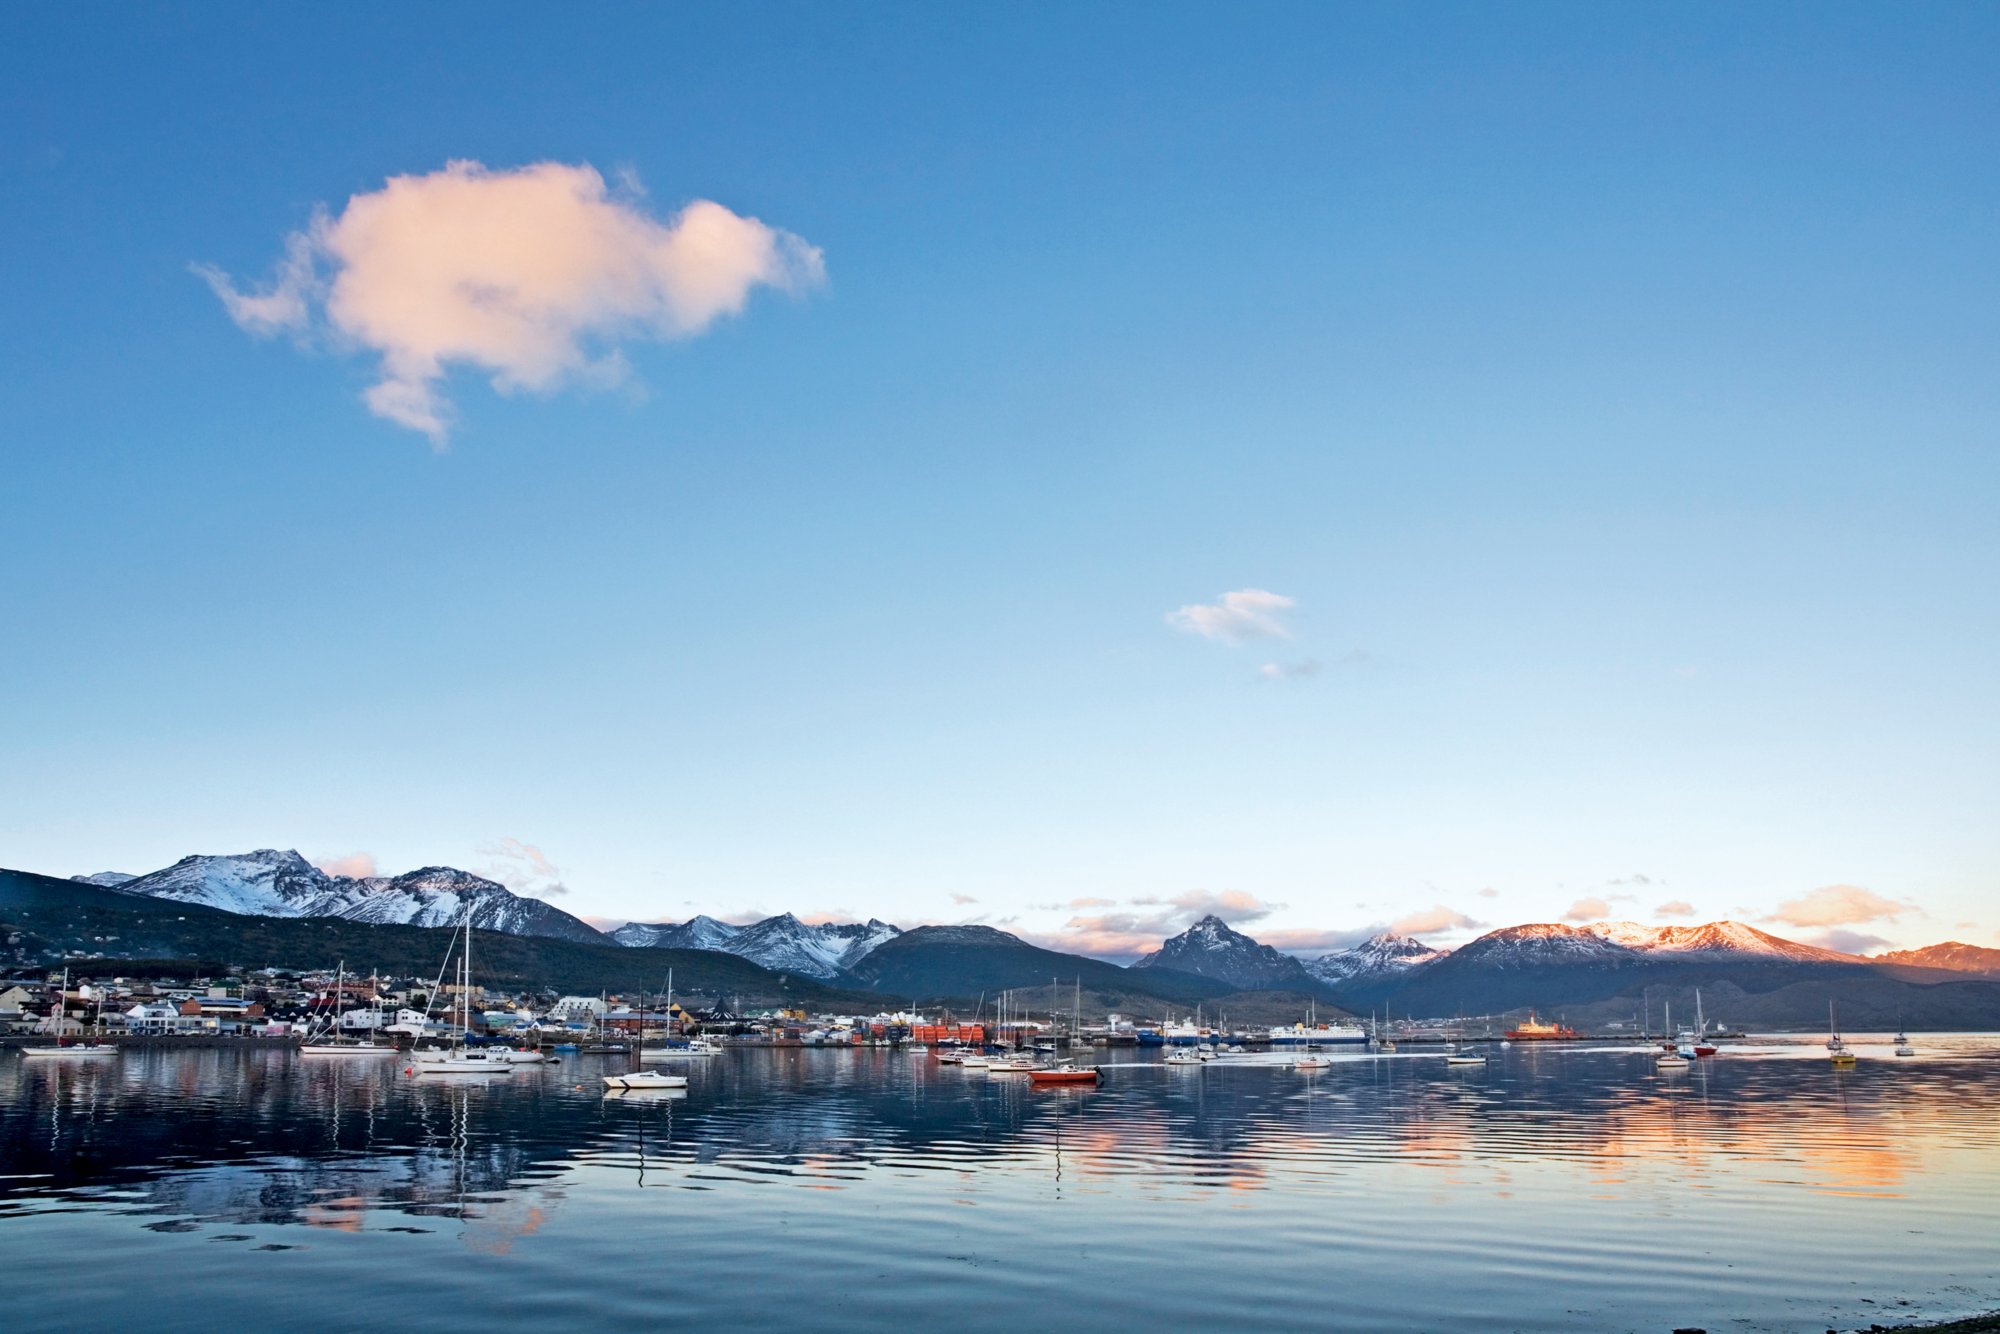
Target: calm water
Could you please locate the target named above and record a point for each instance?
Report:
(1557, 1188)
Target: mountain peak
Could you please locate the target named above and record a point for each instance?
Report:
(1212, 948)
(1384, 954)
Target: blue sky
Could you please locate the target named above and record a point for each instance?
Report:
(1611, 393)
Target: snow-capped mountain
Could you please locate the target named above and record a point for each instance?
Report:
(783, 943)
(104, 879)
(1210, 948)
(1543, 945)
(1717, 939)
(1383, 955)
(697, 933)
(272, 883)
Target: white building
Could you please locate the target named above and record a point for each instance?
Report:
(575, 1009)
(159, 1017)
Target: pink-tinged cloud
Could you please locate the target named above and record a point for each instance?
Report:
(1588, 910)
(1839, 905)
(1431, 920)
(962, 899)
(1489, 893)
(1248, 613)
(1674, 908)
(354, 866)
(1123, 935)
(533, 275)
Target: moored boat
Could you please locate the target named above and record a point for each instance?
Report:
(1533, 1029)
(1065, 1073)
(645, 1079)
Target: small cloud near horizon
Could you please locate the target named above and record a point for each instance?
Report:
(1839, 905)
(1303, 670)
(1674, 908)
(532, 274)
(1588, 909)
(354, 866)
(1247, 613)
(521, 867)
(962, 899)
(1847, 942)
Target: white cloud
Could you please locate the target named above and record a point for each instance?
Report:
(1433, 919)
(1588, 910)
(1290, 671)
(1847, 942)
(1248, 613)
(522, 868)
(1674, 908)
(533, 275)
(354, 866)
(1839, 905)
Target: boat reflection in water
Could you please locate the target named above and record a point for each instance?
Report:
(908, 1174)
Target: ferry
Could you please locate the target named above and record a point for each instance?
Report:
(1176, 1033)
(1532, 1029)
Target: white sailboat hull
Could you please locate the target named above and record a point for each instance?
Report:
(645, 1079)
(87, 1049)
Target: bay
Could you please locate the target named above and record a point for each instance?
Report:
(1559, 1187)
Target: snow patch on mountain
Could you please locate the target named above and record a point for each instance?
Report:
(104, 879)
(273, 883)
(1713, 938)
(783, 943)
(696, 933)
(1542, 944)
(1385, 954)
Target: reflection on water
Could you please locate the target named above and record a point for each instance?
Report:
(1556, 1187)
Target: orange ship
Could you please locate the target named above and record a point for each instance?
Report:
(1532, 1029)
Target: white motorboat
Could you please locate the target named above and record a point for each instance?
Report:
(1012, 1065)
(1183, 1056)
(1903, 1047)
(1310, 1062)
(645, 1079)
(975, 1061)
(1457, 1055)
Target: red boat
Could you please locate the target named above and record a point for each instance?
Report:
(1532, 1029)
(1065, 1074)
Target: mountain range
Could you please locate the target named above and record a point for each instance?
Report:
(270, 883)
(1599, 973)
(782, 944)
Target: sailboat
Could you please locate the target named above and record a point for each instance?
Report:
(637, 1077)
(1903, 1047)
(1067, 1072)
(461, 1058)
(64, 1047)
(1836, 1046)
(333, 1045)
(1383, 1040)
(1670, 1059)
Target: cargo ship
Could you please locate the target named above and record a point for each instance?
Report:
(1532, 1029)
